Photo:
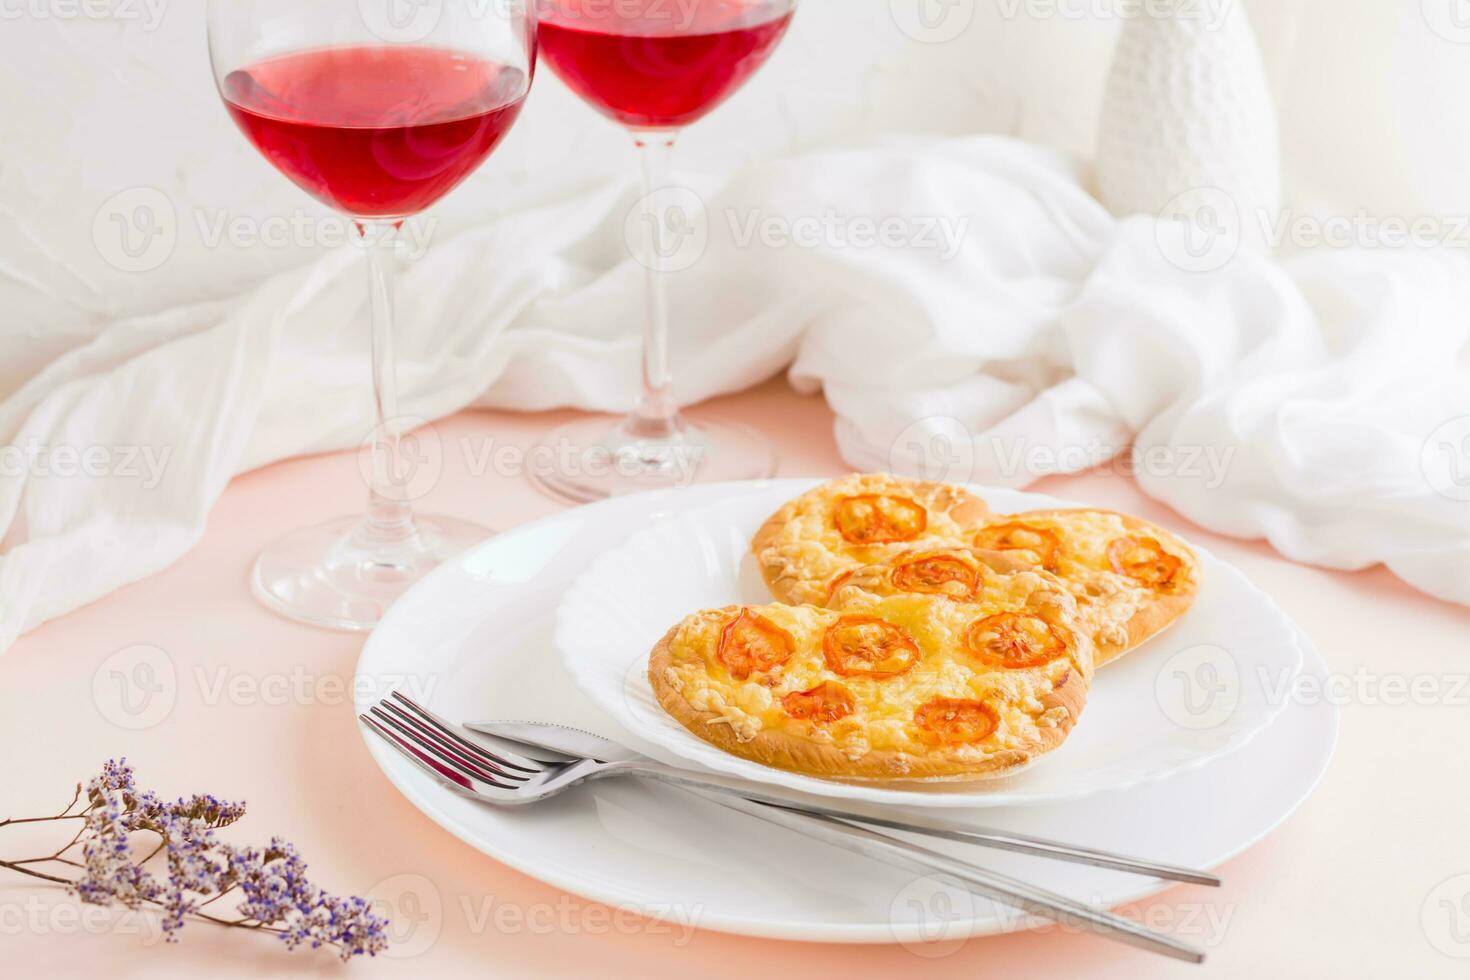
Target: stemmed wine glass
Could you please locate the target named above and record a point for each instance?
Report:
(655, 66)
(377, 109)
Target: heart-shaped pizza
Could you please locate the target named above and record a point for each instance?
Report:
(908, 687)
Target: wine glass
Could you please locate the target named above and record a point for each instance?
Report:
(377, 109)
(655, 66)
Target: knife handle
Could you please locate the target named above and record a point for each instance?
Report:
(921, 860)
(984, 837)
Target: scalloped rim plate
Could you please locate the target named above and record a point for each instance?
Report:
(476, 634)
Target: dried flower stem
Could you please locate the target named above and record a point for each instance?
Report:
(16, 866)
(275, 896)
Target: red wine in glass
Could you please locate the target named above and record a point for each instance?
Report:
(376, 132)
(655, 66)
(659, 65)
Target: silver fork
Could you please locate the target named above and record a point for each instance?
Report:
(504, 777)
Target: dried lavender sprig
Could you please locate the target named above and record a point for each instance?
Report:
(276, 895)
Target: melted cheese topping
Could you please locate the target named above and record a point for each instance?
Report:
(883, 719)
(812, 555)
(811, 552)
(1108, 599)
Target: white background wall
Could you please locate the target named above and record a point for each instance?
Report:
(1371, 94)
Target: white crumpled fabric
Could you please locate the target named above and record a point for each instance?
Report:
(967, 306)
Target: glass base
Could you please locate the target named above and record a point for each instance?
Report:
(597, 458)
(343, 575)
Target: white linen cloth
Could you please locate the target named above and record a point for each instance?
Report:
(965, 304)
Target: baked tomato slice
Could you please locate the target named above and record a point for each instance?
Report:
(864, 646)
(750, 643)
(956, 721)
(879, 519)
(1016, 641)
(1037, 545)
(938, 574)
(1145, 561)
(828, 701)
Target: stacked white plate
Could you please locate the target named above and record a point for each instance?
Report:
(1189, 751)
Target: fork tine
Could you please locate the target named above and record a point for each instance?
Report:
(439, 754)
(443, 744)
(505, 758)
(418, 758)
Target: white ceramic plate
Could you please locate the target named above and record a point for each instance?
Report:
(1194, 693)
(475, 639)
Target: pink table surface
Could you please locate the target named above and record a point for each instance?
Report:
(1344, 889)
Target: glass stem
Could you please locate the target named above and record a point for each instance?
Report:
(390, 514)
(656, 415)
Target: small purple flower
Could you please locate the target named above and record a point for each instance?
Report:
(110, 875)
(275, 893)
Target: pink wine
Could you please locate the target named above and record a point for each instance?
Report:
(659, 64)
(376, 132)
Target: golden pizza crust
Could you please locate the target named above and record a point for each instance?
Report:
(1060, 701)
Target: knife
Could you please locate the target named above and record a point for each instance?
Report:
(574, 743)
(568, 744)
